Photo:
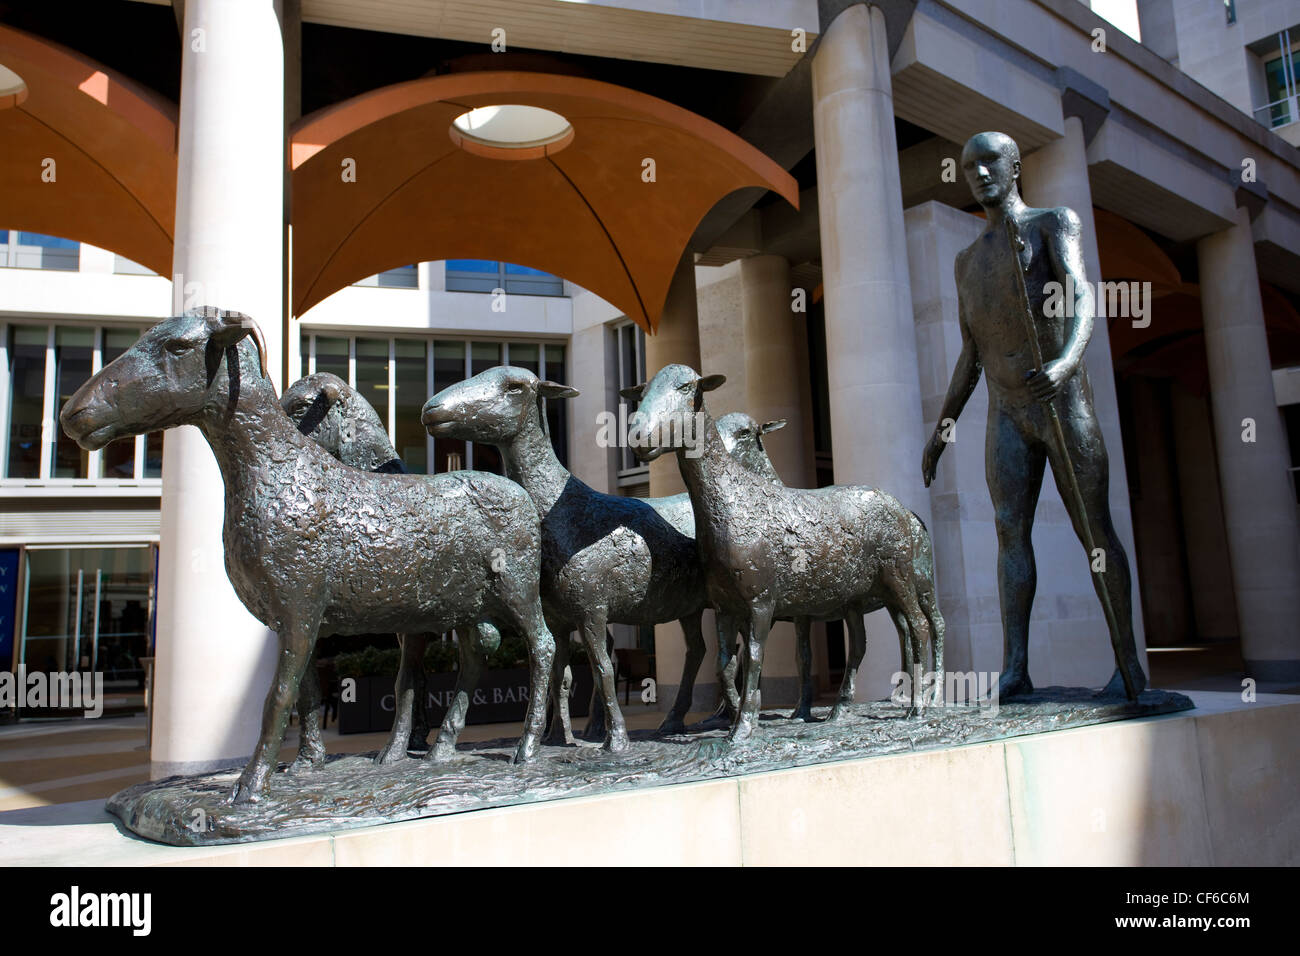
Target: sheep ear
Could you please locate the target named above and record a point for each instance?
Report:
(771, 426)
(230, 327)
(331, 391)
(556, 390)
(709, 382)
(633, 393)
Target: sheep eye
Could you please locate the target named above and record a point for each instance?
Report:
(685, 387)
(515, 388)
(179, 346)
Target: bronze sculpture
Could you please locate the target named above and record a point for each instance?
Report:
(743, 438)
(1000, 277)
(313, 546)
(605, 558)
(769, 551)
(333, 414)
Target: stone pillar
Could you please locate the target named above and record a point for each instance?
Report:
(772, 332)
(214, 662)
(871, 363)
(677, 341)
(1057, 175)
(1214, 604)
(1258, 503)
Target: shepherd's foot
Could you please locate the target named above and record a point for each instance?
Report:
(1115, 687)
(1011, 684)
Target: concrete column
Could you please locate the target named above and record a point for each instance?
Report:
(214, 661)
(871, 363)
(1214, 604)
(1057, 175)
(772, 333)
(677, 341)
(1258, 503)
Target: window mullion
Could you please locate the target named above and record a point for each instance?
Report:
(47, 418)
(352, 360)
(311, 355)
(392, 391)
(469, 360)
(6, 399)
(96, 363)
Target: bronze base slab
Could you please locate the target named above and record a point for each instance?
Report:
(350, 791)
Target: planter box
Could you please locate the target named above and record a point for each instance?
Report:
(501, 697)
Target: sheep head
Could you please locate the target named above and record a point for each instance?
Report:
(670, 415)
(168, 377)
(493, 406)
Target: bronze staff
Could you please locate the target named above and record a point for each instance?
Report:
(1017, 246)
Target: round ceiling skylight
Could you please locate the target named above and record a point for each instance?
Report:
(511, 131)
(12, 88)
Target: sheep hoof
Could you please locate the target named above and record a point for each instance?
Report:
(246, 791)
(306, 763)
(389, 755)
(618, 743)
(672, 725)
(804, 714)
(440, 753)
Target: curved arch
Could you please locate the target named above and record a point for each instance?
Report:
(112, 180)
(590, 212)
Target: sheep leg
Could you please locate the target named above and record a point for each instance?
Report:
(857, 651)
(407, 698)
(919, 630)
(675, 722)
(560, 733)
(541, 655)
(910, 664)
(728, 666)
(803, 653)
(473, 661)
(930, 607)
(311, 749)
(594, 732)
(419, 739)
(593, 632)
(297, 640)
(760, 623)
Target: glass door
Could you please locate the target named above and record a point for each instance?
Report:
(87, 610)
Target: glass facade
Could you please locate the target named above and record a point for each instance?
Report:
(398, 374)
(89, 610)
(46, 364)
(32, 250)
(485, 275)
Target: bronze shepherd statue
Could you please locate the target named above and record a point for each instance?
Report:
(1040, 400)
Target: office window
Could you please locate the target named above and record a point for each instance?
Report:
(1280, 87)
(631, 371)
(46, 364)
(32, 250)
(403, 277)
(1230, 11)
(397, 375)
(483, 275)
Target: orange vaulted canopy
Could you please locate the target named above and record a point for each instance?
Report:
(87, 154)
(580, 207)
